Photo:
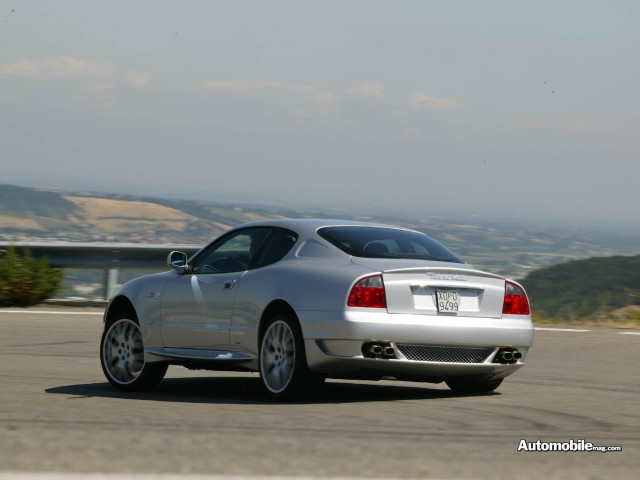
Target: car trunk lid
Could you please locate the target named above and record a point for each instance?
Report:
(413, 288)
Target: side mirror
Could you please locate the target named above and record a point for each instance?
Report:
(177, 261)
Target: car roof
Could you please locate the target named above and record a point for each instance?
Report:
(308, 226)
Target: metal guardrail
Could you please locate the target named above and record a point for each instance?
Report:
(109, 257)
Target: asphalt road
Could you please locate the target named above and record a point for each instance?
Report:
(58, 414)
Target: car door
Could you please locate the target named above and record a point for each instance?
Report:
(197, 305)
(257, 287)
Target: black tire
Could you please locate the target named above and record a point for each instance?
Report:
(284, 372)
(473, 385)
(122, 357)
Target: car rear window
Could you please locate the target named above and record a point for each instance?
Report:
(379, 242)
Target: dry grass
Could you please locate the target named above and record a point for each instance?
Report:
(123, 216)
(253, 216)
(223, 227)
(626, 317)
(19, 223)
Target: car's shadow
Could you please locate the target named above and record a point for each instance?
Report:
(247, 390)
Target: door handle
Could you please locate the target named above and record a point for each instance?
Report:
(228, 284)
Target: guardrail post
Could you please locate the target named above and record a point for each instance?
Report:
(110, 282)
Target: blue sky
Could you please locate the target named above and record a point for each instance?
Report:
(491, 108)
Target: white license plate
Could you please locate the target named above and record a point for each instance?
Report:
(447, 300)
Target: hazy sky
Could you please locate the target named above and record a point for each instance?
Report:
(487, 107)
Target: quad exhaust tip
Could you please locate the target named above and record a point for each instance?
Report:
(507, 355)
(378, 350)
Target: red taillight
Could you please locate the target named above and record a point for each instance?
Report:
(368, 292)
(515, 300)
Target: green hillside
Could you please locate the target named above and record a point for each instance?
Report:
(584, 287)
(28, 202)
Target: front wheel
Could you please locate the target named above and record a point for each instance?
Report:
(283, 365)
(122, 358)
(473, 385)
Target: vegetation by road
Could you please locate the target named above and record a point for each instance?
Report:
(25, 281)
(594, 289)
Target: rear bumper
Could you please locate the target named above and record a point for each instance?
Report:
(334, 340)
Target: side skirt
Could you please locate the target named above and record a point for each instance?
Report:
(197, 359)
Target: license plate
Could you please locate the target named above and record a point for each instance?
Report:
(447, 300)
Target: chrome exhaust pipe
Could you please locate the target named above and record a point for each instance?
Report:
(375, 349)
(389, 351)
(507, 356)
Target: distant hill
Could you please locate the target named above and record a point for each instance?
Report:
(27, 213)
(506, 248)
(583, 287)
(28, 210)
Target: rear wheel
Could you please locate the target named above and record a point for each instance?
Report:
(473, 385)
(122, 357)
(284, 371)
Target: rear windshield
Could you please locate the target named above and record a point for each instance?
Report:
(379, 242)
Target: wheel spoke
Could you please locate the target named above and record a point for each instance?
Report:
(275, 378)
(136, 368)
(287, 366)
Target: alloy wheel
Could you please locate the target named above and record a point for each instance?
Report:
(277, 356)
(123, 352)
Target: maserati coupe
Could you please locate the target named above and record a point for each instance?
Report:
(300, 301)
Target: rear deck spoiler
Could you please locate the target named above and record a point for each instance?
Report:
(439, 273)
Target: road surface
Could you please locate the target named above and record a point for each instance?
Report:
(58, 414)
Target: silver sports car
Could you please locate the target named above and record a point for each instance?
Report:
(303, 300)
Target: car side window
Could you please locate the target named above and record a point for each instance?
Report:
(232, 253)
(276, 246)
